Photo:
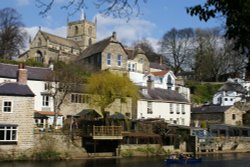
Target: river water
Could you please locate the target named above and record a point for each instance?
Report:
(212, 160)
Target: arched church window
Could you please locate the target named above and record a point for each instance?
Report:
(39, 56)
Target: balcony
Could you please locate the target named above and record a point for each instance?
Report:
(104, 132)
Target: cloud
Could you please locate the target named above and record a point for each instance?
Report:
(23, 2)
(127, 32)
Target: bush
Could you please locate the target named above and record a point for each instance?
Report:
(127, 153)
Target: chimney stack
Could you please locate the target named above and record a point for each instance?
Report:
(114, 35)
(150, 83)
(22, 74)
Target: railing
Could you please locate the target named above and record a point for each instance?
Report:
(107, 131)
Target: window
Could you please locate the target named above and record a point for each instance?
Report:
(133, 67)
(45, 100)
(129, 67)
(225, 99)
(178, 109)
(171, 108)
(79, 98)
(149, 107)
(183, 109)
(183, 121)
(8, 133)
(233, 116)
(141, 61)
(109, 59)
(169, 82)
(7, 106)
(119, 60)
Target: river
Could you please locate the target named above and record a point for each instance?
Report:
(212, 160)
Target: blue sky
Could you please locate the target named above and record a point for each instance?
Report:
(158, 17)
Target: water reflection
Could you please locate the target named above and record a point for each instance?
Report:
(214, 160)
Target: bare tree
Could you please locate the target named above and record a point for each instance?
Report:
(146, 46)
(12, 35)
(116, 8)
(214, 56)
(177, 46)
(66, 78)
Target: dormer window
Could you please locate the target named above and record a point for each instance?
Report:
(169, 82)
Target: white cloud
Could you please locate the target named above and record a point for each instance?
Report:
(127, 32)
(23, 2)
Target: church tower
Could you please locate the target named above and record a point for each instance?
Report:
(83, 32)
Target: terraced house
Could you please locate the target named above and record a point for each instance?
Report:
(16, 115)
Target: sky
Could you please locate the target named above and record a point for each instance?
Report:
(156, 18)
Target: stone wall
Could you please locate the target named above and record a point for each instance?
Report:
(22, 115)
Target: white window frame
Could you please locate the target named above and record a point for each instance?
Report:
(12, 134)
(177, 108)
(11, 106)
(171, 109)
(119, 60)
(44, 101)
(149, 107)
(183, 108)
(109, 59)
(129, 67)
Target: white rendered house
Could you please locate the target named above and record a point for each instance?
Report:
(163, 103)
(38, 81)
(234, 90)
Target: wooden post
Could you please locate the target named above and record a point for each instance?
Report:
(94, 146)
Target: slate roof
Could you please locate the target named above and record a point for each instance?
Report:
(210, 109)
(97, 47)
(60, 40)
(133, 52)
(34, 73)
(232, 86)
(162, 95)
(159, 66)
(15, 89)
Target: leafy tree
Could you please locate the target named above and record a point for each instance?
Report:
(237, 15)
(12, 36)
(176, 45)
(105, 87)
(116, 8)
(66, 78)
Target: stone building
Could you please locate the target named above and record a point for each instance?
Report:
(16, 115)
(107, 54)
(46, 47)
(211, 114)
